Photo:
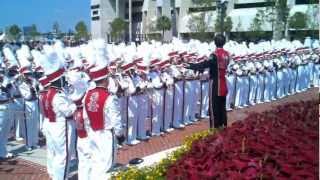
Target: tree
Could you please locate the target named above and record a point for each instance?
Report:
(278, 14)
(163, 24)
(118, 27)
(14, 32)
(313, 18)
(202, 2)
(33, 33)
(198, 25)
(298, 21)
(256, 30)
(81, 31)
(227, 25)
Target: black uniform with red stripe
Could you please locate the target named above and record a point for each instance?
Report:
(217, 63)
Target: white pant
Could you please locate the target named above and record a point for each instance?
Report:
(293, 79)
(253, 88)
(196, 99)
(132, 118)
(299, 82)
(31, 123)
(123, 100)
(310, 72)
(5, 124)
(61, 137)
(189, 93)
(168, 112)
(205, 99)
(178, 100)
(260, 87)
(84, 158)
(239, 91)
(143, 107)
(280, 84)
(157, 111)
(16, 109)
(245, 94)
(230, 95)
(286, 81)
(268, 86)
(102, 147)
(273, 90)
(316, 75)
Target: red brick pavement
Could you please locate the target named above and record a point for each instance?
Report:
(18, 169)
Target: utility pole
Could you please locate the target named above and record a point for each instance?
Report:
(222, 8)
(130, 21)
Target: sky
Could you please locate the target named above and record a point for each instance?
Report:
(43, 13)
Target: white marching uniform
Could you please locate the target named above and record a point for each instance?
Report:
(293, 76)
(239, 88)
(204, 85)
(156, 102)
(5, 122)
(273, 88)
(17, 111)
(286, 77)
(168, 101)
(178, 99)
(31, 110)
(316, 73)
(299, 81)
(253, 83)
(132, 110)
(260, 82)
(268, 82)
(280, 79)
(102, 142)
(189, 101)
(143, 109)
(61, 135)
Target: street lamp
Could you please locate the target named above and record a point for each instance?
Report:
(222, 8)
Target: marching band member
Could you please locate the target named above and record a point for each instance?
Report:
(79, 82)
(218, 64)
(4, 117)
(101, 115)
(58, 107)
(156, 96)
(16, 105)
(28, 90)
(260, 79)
(253, 81)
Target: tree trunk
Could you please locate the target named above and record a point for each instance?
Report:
(277, 33)
(163, 36)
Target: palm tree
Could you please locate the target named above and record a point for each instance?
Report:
(163, 24)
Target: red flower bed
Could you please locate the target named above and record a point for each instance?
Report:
(279, 144)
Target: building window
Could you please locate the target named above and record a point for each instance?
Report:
(135, 4)
(96, 18)
(137, 17)
(307, 1)
(97, 6)
(253, 5)
(159, 11)
(201, 9)
(95, 12)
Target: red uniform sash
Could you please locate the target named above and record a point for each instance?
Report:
(48, 104)
(222, 63)
(43, 98)
(94, 106)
